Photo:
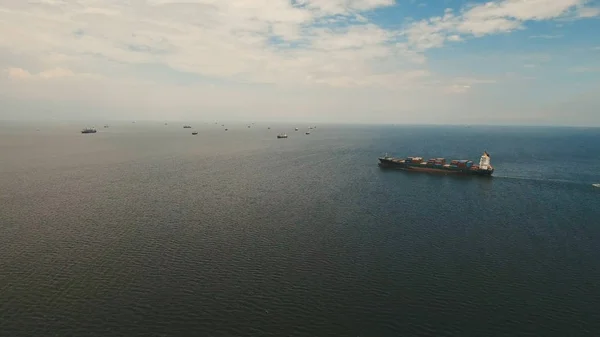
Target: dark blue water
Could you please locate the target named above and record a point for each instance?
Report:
(145, 230)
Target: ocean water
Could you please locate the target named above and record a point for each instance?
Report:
(145, 230)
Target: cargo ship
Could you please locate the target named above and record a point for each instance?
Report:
(88, 130)
(439, 165)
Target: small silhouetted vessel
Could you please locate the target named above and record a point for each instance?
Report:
(307, 133)
(282, 135)
(194, 133)
(187, 127)
(106, 126)
(89, 130)
(296, 129)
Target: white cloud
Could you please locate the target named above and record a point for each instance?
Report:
(263, 41)
(462, 85)
(240, 40)
(458, 89)
(18, 73)
(54, 73)
(546, 36)
(492, 17)
(325, 52)
(588, 12)
(328, 7)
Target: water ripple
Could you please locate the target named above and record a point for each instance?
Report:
(160, 235)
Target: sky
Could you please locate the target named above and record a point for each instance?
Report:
(533, 62)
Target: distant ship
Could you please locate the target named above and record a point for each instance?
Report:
(296, 129)
(282, 135)
(187, 127)
(596, 185)
(194, 133)
(307, 132)
(438, 165)
(88, 130)
(106, 126)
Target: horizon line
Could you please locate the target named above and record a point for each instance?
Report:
(305, 122)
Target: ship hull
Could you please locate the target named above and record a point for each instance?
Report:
(391, 163)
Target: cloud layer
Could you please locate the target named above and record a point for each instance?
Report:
(299, 44)
(494, 17)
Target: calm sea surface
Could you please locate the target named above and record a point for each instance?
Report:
(145, 230)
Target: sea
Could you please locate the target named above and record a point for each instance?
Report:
(143, 229)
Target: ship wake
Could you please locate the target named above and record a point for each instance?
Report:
(553, 180)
